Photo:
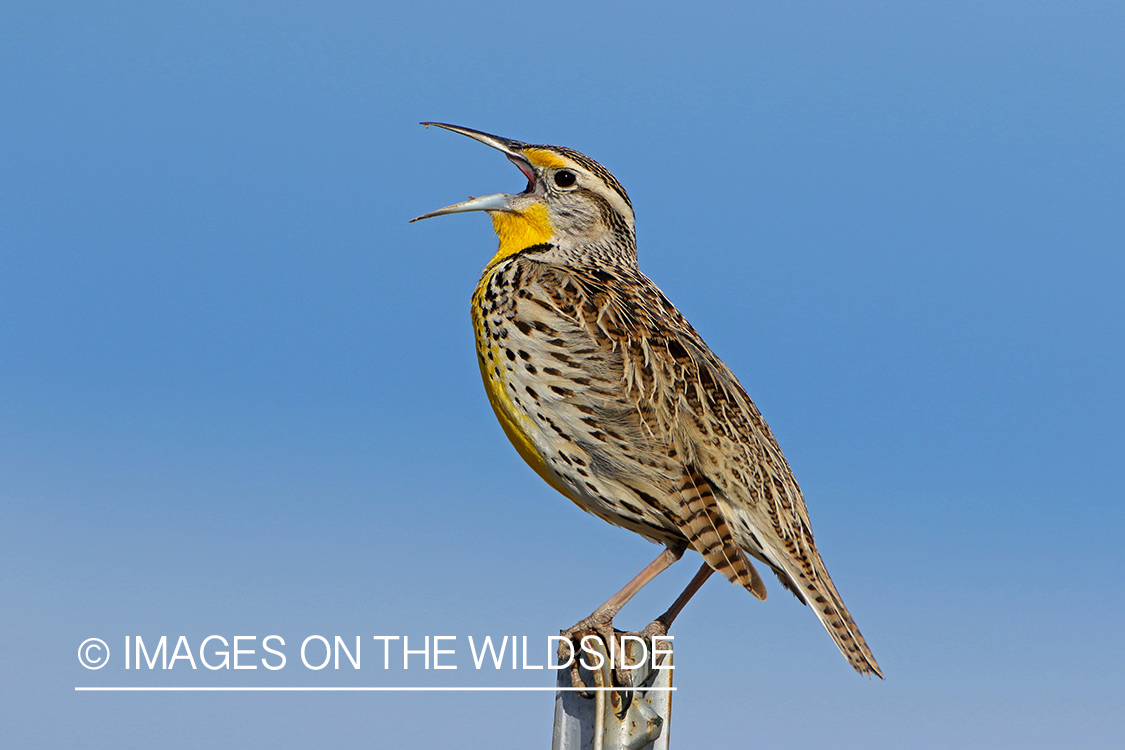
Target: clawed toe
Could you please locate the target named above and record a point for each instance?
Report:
(655, 629)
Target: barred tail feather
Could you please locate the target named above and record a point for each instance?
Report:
(703, 524)
(825, 601)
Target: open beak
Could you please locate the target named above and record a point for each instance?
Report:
(499, 201)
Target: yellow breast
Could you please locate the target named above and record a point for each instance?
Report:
(517, 424)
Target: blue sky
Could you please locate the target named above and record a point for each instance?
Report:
(238, 394)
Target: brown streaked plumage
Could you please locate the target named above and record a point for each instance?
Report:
(614, 399)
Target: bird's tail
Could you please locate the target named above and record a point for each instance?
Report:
(820, 593)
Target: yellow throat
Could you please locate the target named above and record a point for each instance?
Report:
(520, 230)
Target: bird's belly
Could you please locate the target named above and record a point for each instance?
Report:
(542, 417)
(522, 429)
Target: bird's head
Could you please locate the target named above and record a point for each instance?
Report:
(571, 203)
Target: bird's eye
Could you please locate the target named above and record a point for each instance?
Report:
(564, 178)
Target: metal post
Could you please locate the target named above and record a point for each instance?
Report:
(616, 719)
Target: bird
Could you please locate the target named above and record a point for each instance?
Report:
(613, 398)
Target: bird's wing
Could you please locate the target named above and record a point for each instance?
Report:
(733, 480)
(643, 482)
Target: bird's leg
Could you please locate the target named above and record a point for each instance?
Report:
(601, 620)
(660, 625)
(658, 628)
(603, 615)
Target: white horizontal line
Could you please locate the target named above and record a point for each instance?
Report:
(360, 689)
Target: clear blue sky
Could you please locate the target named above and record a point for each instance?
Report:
(238, 394)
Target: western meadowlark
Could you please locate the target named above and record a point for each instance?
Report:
(610, 395)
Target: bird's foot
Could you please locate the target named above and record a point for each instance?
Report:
(597, 625)
(655, 629)
(600, 628)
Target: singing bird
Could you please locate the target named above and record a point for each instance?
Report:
(611, 396)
